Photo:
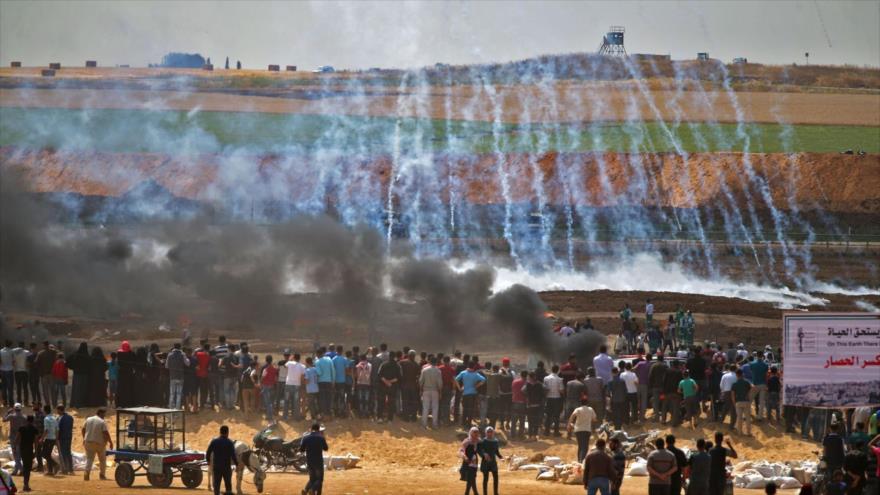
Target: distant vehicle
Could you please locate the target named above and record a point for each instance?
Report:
(324, 69)
(740, 60)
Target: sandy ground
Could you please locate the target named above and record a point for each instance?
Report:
(573, 102)
(403, 458)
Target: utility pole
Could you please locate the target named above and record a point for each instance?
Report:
(807, 56)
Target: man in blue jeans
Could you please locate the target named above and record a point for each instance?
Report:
(326, 377)
(292, 384)
(467, 381)
(65, 439)
(599, 470)
(7, 372)
(340, 366)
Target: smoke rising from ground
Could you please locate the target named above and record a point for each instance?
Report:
(239, 273)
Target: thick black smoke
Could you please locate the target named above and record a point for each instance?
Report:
(521, 311)
(454, 299)
(238, 273)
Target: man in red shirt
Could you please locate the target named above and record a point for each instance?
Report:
(268, 379)
(569, 370)
(447, 371)
(518, 406)
(203, 359)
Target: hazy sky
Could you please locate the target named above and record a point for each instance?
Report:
(404, 34)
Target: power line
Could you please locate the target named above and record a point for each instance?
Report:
(822, 23)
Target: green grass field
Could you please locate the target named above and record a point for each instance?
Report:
(215, 132)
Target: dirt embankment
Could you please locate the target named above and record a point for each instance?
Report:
(833, 183)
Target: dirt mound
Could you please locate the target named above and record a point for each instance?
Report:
(831, 182)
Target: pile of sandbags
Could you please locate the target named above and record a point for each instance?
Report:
(756, 474)
(549, 468)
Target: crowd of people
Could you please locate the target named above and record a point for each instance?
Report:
(34, 437)
(663, 378)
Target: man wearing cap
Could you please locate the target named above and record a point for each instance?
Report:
(16, 420)
(314, 445)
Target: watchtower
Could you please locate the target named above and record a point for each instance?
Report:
(612, 42)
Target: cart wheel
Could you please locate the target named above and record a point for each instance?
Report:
(191, 477)
(124, 474)
(161, 480)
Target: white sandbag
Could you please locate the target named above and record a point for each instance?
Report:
(6, 454)
(79, 460)
(552, 461)
(532, 467)
(548, 475)
(786, 482)
(514, 462)
(639, 467)
(340, 462)
(755, 482)
(740, 467)
(771, 470)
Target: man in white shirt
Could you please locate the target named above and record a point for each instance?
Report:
(96, 436)
(554, 387)
(741, 351)
(727, 381)
(431, 384)
(603, 364)
(19, 364)
(292, 384)
(581, 422)
(566, 330)
(632, 394)
(649, 311)
(7, 373)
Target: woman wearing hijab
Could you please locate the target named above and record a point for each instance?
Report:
(154, 376)
(97, 378)
(78, 362)
(489, 455)
(126, 385)
(141, 377)
(470, 460)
